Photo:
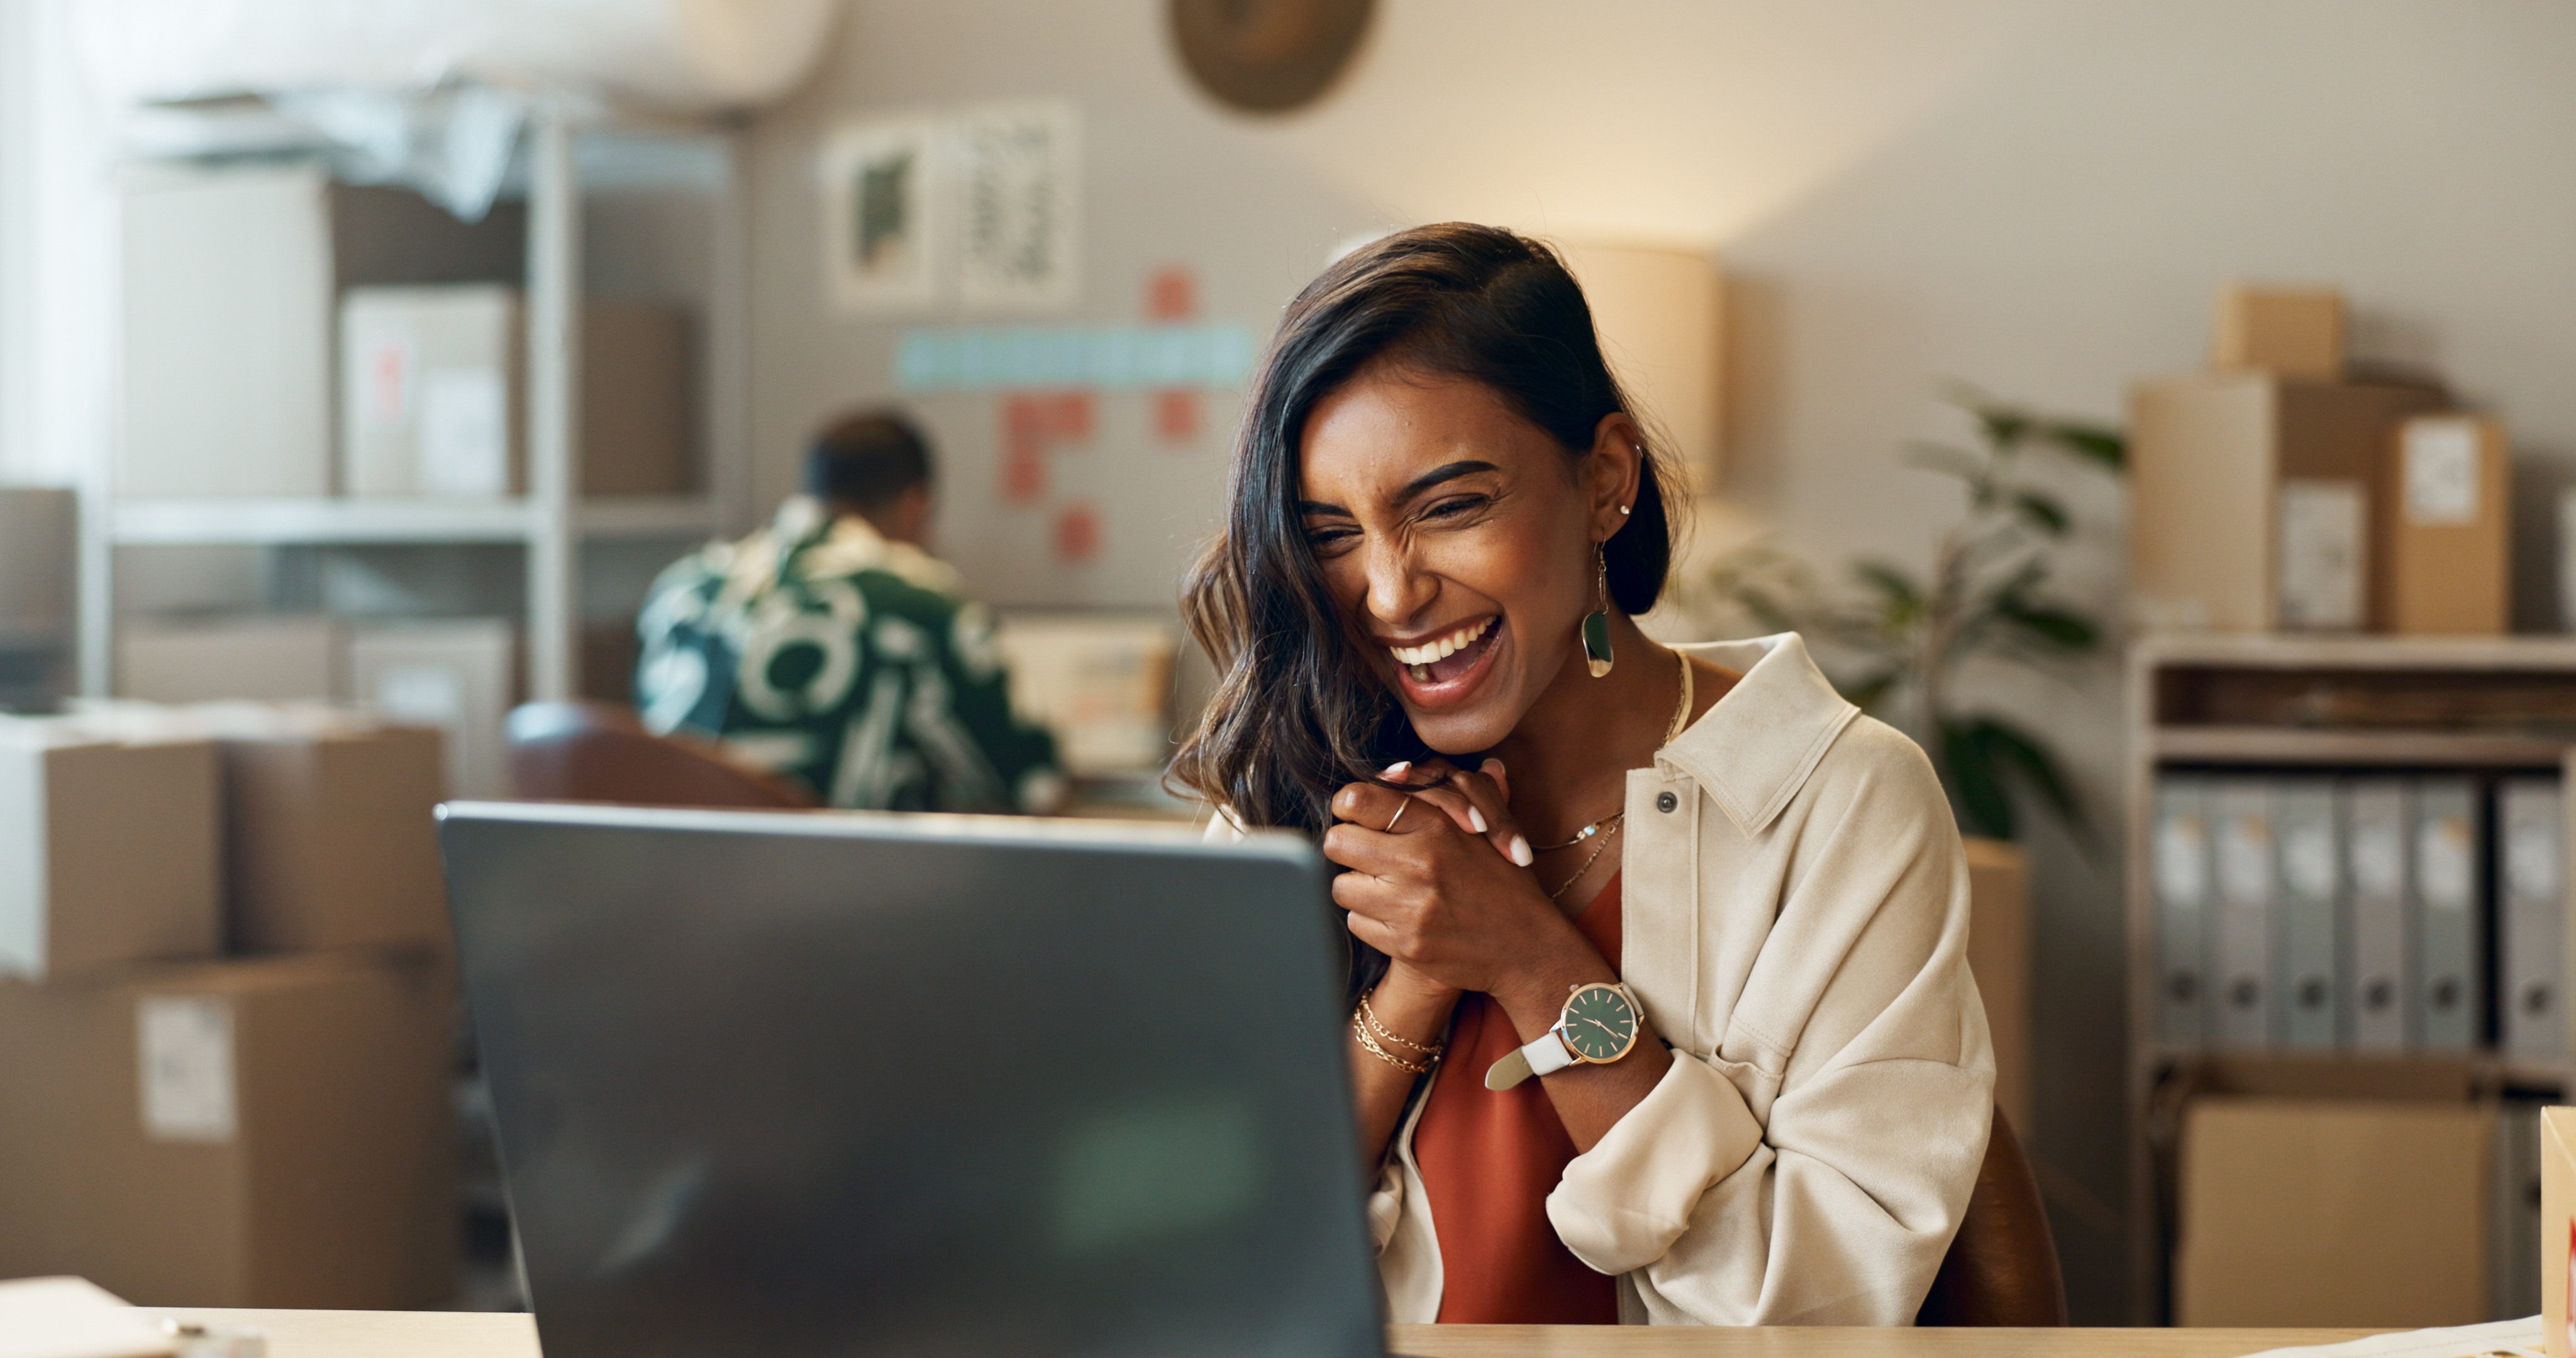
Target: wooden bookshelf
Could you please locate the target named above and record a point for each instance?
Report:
(2306, 704)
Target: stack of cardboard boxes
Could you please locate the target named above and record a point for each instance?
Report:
(2278, 491)
(227, 1009)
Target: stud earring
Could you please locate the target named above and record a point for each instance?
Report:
(1596, 624)
(1623, 511)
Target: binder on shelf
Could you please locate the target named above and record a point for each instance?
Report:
(2446, 892)
(2530, 815)
(2181, 871)
(2311, 978)
(2375, 813)
(2241, 841)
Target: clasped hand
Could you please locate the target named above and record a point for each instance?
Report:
(1441, 893)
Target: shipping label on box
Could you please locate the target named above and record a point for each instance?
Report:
(2324, 555)
(2448, 564)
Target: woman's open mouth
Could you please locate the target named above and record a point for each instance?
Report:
(1438, 668)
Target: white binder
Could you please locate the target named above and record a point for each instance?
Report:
(2181, 872)
(2241, 851)
(2531, 859)
(2449, 939)
(2375, 866)
(2312, 977)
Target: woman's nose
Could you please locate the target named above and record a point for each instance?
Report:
(1398, 588)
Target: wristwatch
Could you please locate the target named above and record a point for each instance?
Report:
(1599, 1026)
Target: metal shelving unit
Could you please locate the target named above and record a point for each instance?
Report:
(551, 522)
(2198, 702)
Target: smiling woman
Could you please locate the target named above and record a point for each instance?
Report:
(1763, 1076)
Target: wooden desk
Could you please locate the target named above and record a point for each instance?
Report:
(450, 1334)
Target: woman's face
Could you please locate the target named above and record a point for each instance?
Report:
(1457, 541)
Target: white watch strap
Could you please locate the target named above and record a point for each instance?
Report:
(1544, 1055)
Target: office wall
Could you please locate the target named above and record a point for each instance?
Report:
(2035, 195)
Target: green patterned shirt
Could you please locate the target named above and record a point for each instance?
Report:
(854, 665)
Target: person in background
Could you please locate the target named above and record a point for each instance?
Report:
(833, 649)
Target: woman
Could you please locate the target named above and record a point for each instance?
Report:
(1718, 913)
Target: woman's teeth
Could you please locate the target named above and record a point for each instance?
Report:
(1416, 657)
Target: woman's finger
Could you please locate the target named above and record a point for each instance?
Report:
(1362, 894)
(1372, 807)
(1479, 805)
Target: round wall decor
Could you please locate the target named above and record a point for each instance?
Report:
(1267, 56)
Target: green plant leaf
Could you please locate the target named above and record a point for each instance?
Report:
(2044, 513)
(1941, 457)
(1976, 777)
(2098, 443)
(2032, 761)
(1892, 583)
(2062, 628)
(1868, 693)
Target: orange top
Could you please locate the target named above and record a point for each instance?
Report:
(1488, 1162)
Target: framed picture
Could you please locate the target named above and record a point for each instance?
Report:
(884, 201)
(1019, 175)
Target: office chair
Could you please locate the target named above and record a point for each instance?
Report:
(2002, 1265)
(600, 752)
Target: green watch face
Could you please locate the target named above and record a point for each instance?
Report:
(1599, 1023)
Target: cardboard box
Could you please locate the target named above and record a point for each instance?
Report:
(2287, 332)
(2557, 1227)
(2209, 455)
(329, 836)
(1102, 683)
(332, 841)
(433, 395)
(1999, 958)
(107, 849)
(272, 1133)
(2447, 518)
(638, 423)
(459, 676)
(254, 658)
(2302, 1212)
(232, 278)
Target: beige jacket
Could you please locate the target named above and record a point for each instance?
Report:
(1795, 923)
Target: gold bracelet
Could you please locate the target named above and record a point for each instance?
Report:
(1381, 1030)
(1381, 1053)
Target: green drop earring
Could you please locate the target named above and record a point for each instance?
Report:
(1596, 624)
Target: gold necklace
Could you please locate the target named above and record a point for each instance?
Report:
(1672, 731)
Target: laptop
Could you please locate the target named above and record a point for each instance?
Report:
(857, 1084)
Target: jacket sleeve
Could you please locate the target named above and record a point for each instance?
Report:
(1814, 1173)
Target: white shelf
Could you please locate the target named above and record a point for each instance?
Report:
(2292, 745)
(2330, 651)
(273, 522)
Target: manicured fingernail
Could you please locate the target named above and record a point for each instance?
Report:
(1521, 851)
(1490, 766)
(1398, 768)
(1476, 818)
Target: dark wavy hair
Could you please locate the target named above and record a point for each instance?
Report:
(1296, 713)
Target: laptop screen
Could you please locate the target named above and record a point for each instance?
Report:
(856, 1084)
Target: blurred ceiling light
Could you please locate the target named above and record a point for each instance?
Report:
(678, 56)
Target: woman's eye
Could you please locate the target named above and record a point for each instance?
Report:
(1323, 539)
(1454, 507)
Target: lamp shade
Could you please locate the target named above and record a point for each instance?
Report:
(1658, 313)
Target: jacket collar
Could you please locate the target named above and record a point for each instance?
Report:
(1755, 748)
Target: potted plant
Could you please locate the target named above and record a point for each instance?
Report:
(1896, 637)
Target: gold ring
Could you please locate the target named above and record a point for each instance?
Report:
(1399, 815)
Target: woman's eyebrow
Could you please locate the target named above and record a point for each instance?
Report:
(1446, 471)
